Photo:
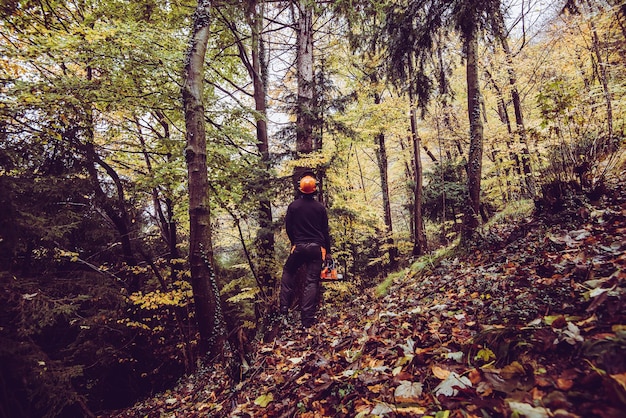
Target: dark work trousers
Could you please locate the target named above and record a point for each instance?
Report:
(311, 256)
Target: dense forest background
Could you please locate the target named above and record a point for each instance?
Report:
(122, 269)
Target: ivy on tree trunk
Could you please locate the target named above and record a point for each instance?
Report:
(205, 292)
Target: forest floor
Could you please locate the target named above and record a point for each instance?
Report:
(531, 324)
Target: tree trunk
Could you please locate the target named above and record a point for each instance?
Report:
(305, 103)
(258, 73)
(164, 219)
(603, 75)
(517, 105)
(205, 292)
(419, 238)
(116, 211)
(474, 161)
(410, 203)
(304, 111)
(504, 118)
(381, 156)
(419, 243)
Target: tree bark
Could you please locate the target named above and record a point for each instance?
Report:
(305, 118)
(381, 156)
(259, 74)
(204, 286)
(474, 161)
(304, 121)
(419, 243)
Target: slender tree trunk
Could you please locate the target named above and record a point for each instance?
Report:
(205, 292)
(419, 244)
(419, 241)
(265, 235)
(381, 155)
(304, 122)
(304, 67)
(116, 211)
(504, 118)
(474, 161)
(603, 76)
(172, 228)
(410, 195)
(517, 105)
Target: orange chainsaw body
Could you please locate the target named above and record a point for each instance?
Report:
(329, 272)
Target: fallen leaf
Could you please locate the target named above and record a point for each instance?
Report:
(303, 378)
(484, 389)
(380, 409)
(408, 391)
(527, 410)
(512, 370)
(620, 378)
(376, 388)
(485, 354)
(450, 386)
(440, 373)
(412, 410)
(564, 384)
(264, 400)
(474, 376)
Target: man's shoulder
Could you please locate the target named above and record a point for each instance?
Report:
(303, 201)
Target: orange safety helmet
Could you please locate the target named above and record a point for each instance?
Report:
(307, 184)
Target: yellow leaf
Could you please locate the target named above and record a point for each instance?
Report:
(376, 388)
(440, 373)
(620, 378)
(264, 400)
(303, 378)
(485, 354)
(412, 410)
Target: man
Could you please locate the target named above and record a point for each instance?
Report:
(306, 223)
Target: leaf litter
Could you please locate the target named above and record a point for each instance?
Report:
(533, 325)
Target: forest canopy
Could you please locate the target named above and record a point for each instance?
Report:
(421, 119)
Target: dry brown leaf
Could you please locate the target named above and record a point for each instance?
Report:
(512, 370)
(412, 410)
(564, 384)
(474, 376)
(376, 388)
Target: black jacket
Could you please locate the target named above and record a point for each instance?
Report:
(307, 222)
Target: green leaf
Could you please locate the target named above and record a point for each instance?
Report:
(485, 354)
(264, 400)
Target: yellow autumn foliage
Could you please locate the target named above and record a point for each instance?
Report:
(180, 295)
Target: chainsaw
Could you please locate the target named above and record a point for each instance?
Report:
(329, 271)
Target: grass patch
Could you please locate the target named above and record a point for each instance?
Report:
(513, 211)
(420, 266)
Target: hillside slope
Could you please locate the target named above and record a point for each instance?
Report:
(533, 323)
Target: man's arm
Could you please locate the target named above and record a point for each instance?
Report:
(326, 234)
(289, 224)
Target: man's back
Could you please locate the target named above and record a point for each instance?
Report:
(307, 222)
